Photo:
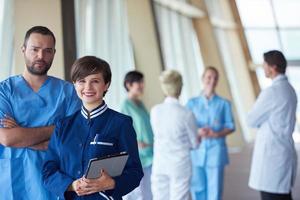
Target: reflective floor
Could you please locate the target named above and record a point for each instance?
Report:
(237, 174)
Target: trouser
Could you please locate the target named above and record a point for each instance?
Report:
(207, 183)
(171, 186)
(275, 196)
(143, 192)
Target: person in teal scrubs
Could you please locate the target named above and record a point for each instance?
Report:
(134, 107)
(215, 122)
(30, 105)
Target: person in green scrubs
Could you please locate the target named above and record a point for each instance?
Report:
(134, 107)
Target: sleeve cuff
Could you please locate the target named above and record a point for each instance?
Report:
(230, 126)
(64, 187)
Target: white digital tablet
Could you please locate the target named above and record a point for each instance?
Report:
(112, 164)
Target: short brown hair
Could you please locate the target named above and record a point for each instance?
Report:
(40, 30)
(131, 77)
(88, 65)
(277, 59)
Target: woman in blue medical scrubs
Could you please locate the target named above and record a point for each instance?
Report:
(92, 132)
(215, 122)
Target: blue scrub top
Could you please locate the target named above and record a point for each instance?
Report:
(21, 167)
(83, 136)
(216, 114)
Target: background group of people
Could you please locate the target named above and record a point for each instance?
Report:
(188, 142)
(175, 152)
(190, 151)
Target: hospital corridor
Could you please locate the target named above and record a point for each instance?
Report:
(237, 174)
(150, 99)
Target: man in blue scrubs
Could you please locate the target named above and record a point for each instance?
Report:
(30, 104)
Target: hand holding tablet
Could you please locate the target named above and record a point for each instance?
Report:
(112, 164)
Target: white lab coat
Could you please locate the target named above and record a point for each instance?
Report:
(174, 128)
(274, 161)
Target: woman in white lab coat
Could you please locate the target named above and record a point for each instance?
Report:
(274, 161)
(175, 134)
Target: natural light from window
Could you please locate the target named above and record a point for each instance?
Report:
(271, 24)
(274, 24)
(1, 18)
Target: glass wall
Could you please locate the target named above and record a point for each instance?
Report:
(6, 38)
(102, 31)
(180, 48)
(273, 24)
(224, 32)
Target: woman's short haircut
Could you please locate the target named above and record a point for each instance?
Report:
(276, 58)
(171, 82)
(89, 65)
(131, 77)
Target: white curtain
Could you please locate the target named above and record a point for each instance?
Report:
(6, 38)
(180, 49)
(102, 31)
(231, 74)
(215, 11)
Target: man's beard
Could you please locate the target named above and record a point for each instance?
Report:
(42, 71)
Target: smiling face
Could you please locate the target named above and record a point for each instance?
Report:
(210, 80)
(39, 53)
(136, 89)
(90, 90)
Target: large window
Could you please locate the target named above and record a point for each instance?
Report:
(273, 24)
(180, 48)
(6, 38)
(1, 13)
(102, 31)
(224, 31)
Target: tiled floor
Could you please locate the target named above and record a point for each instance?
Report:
(237, 174)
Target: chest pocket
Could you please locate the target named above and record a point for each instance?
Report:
(101, 146)
(201, 120)
(217, 119)
(216, 123)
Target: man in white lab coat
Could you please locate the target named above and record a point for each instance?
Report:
(274, 161)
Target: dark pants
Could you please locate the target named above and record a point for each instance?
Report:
(275, 196)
